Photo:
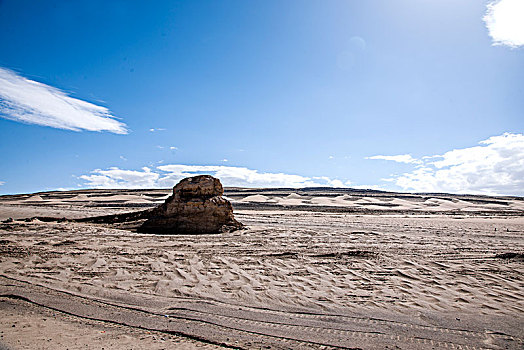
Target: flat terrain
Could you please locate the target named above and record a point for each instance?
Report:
(313, 268)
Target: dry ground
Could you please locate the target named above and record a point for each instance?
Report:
(310, 270)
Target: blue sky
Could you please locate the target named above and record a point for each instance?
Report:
(397, 95)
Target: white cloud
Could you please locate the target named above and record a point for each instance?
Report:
(496, 166)
(401, 158)
(157, 129)
(336, 183)
(240, 176)
(119, 178)
(123, 158)
(2, 182)
(505, 22)
(169, 175)
(173, 148)
(31, 102)
(370, 187)
(328, 182)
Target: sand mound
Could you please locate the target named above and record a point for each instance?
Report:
(293, 199)
(80, 197)
(258, 198)
(35, 198)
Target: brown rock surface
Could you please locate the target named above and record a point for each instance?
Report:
(196, 206)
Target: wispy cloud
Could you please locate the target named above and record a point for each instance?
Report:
(169, 175)
(401, 158)
(157, 129)
(31, 102)
(505, 22)
(495, 166)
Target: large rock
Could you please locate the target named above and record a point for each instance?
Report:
(196, 206)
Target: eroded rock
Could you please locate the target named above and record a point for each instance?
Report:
(196, 207)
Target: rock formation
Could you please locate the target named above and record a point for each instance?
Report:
(196, 206)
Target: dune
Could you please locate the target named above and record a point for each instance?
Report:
(402, 204)
(322, 201)
(258, 198)
(139, 200)
(114, 198)
(339, 201)
(293, 199)
(438, 204)
(369, 200)
(518, 205)
(79, 197)
(35, 198)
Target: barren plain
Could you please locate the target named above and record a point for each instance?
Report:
(314, 268)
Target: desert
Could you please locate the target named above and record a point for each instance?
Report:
(311, 268)
(299, 174)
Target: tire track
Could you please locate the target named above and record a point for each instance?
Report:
(263, 332)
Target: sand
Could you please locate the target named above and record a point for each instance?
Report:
(24, 325)
(354, 270)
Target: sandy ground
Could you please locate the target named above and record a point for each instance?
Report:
(311, 270)
(24, 325)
